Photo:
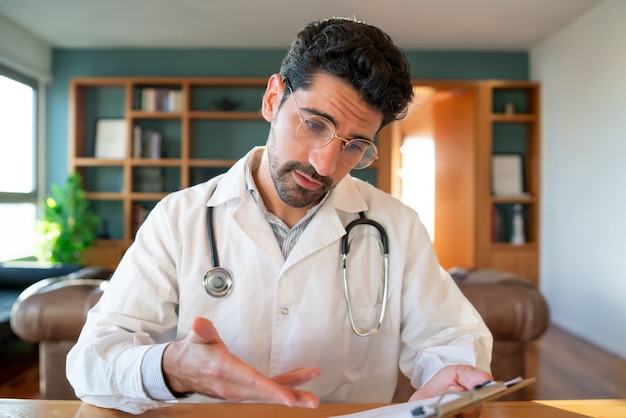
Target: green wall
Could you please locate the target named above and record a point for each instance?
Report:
(68, 63)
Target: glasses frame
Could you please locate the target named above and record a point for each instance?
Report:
(359, 165)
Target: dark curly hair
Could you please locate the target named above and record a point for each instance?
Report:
(360, 54)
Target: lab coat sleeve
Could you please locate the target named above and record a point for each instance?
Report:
(440, 326)
(137, 311)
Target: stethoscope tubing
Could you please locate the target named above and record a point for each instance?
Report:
(345, 250)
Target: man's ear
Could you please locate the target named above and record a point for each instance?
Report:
(272, 96)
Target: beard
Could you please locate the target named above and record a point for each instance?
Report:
(288, 190)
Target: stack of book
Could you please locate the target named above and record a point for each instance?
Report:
(161, 99)
(147, 143)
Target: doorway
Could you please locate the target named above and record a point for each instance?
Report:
(436, 149)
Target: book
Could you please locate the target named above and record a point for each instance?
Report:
(111, 139)
(507, 175)
(148, 179)
(137, 141)
(153, 144)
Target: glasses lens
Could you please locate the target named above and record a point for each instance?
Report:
(315, 132)
(359, 153)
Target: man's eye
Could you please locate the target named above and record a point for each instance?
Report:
(315, 125)
(356, 146)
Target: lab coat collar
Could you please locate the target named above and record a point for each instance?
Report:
(232, 184)
(347, 197)
(325, 228)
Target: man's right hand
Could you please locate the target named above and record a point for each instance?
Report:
(201, 363)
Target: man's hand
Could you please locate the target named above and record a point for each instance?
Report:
(458, 378)
(201, 363)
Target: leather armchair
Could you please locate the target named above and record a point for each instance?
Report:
(53, 311)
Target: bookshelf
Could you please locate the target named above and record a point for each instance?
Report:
(508, 126)
(178, 132)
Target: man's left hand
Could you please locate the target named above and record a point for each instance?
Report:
(457, 378)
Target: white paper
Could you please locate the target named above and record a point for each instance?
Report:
(401, 410)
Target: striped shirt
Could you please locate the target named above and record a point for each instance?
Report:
(286, 237)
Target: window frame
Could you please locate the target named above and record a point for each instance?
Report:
(37, 195)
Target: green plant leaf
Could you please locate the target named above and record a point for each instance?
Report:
(68, 226)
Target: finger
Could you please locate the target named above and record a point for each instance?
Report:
(306, 399)
(470, 377)
(204, 332)
(297, 377)
(268, 390)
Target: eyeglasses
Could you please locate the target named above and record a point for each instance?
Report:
(316, 131)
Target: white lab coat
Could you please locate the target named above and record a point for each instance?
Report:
(281, 314)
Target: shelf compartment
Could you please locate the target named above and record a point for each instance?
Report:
(502, 222)
(514, 100)
(234, 115)
(110, 212)
(103, 179)
(156, 138)
(199, 175)
(226, 98)
(225, 139)
(155, 179)
(158, 98)
(89, 104)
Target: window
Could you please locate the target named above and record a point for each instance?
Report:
(18, 168)
(418, 178)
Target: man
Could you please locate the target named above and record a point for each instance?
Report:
(291, 328)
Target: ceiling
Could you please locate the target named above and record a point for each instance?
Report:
(413, 24)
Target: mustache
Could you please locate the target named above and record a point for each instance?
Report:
(307, 170)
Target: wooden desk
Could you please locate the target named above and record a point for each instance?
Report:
(76, 409)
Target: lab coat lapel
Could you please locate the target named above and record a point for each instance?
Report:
(259, 231)
(232, 188)
(328, 224)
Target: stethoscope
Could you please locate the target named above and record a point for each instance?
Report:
(218, 281)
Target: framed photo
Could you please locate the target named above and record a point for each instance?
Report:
(507, 175)
(111, 139)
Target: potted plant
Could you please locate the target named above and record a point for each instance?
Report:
(68, 226)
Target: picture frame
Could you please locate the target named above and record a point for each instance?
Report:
(110, 139)
(507, 175)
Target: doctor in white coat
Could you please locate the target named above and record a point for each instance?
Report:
(286, 330)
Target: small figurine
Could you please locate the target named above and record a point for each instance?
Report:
(517, 236)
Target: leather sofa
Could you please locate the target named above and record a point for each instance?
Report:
(53, 311)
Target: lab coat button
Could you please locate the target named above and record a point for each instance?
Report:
(284, 311)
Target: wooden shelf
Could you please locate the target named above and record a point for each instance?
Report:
(503, 117)
(234, 115)
(514, 199)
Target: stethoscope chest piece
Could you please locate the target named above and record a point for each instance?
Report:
(218, 282)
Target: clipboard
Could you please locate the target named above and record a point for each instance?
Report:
(486, 392)
(446, 405)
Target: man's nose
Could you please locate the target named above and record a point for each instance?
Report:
(325, 159)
